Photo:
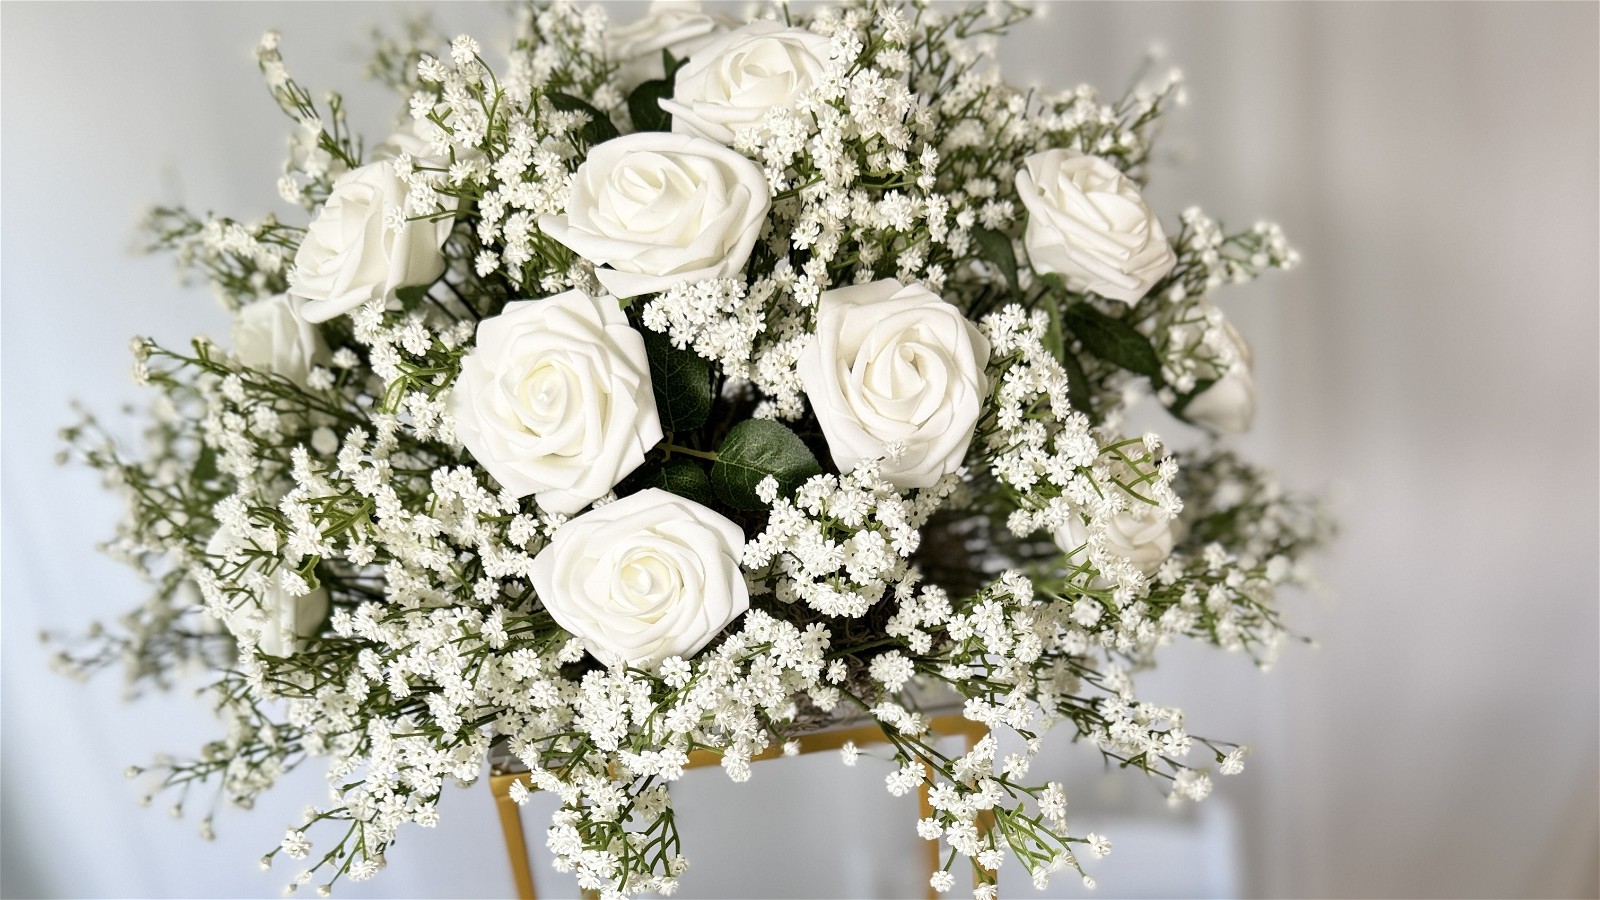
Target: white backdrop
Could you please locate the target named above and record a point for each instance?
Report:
(1435, 359)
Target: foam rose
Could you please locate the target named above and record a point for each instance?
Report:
(650, 576)
(895, 364)
(555, 399)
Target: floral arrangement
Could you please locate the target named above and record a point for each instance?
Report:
(687, 385)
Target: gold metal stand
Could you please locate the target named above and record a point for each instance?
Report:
(830, 739)
(511, 825)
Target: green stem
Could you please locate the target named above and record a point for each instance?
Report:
(674, 448)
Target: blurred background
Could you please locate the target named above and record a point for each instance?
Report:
(1433, 364)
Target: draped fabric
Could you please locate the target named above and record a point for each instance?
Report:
(1434, 360)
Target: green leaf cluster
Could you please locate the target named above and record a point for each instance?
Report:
(754, 449)
(597, 130)
(681, 380)
(1108, 338)
(644, 103)
(1113, 340)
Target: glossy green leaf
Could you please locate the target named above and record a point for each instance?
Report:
(645, 109)
(1113, 340)
(681, 380)
(684, 478)
(599, 128)
(754, 449)
(644, 103)
(996, 248)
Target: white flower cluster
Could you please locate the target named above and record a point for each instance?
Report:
(843, 542)
(1108, 503)
(730, 698)
(690, 385)
(240, 262)
(734, 327)
(1206, 365)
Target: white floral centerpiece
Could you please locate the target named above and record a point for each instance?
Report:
(682, 385)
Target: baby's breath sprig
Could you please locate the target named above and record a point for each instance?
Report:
(562, 48)
(240, 262)
(321, 148)
(395, 58)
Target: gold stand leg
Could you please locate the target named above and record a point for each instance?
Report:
(951, 725)
(985, 825)
(985, 821)
(925, 809)
(516, 844)
(971, 732)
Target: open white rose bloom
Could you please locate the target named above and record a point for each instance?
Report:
(656, 210)
(360, 247)
(270, 335)
(675, 26)
(1087, 222)
(647, 577)
(1228, 403)
(732, 80)
(620, 407)
(554, 400)
(895, 366)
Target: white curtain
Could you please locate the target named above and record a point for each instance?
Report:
(1434, 362)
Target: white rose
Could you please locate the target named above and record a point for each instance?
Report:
(270, 335)
(306, 155)
(421, 139)
(650, 576)
(660, 209)
(1229, 404)
(1087, 222)
(277, 622)
(1142, 534)
(895, 364)
(732, 80)
(284, 620)
(350, 255)
(555, 399)
(677, 26)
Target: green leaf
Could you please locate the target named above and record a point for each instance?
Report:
(1077, 385)
(308, 571)
(205, 466)
(996, 248)
(681, 380)
(1113, 340)
(411, 296)
(643, 104)
(599, 128)
(671, 64)
(1054, 340)
(684, 478)
(1183, 400)
(646, 111)
(754, 449)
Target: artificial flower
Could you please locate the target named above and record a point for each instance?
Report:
(361, 246)
(1088, 223)
(651, 210)
(733, 79)
(555, 399)
(650, 576)
(895, 371)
